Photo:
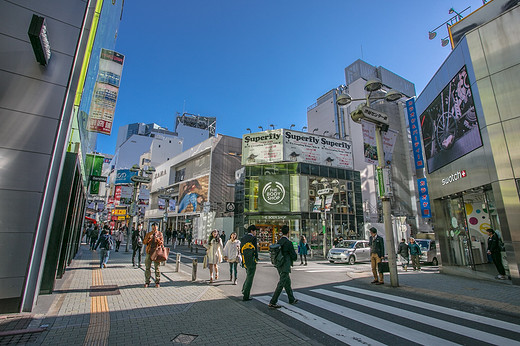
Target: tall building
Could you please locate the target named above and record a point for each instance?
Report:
(148, 130)
(43, 79)
(194, 129)
(324, 117)
(470, 122)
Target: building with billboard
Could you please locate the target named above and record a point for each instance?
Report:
(199, 183)
(326, 117)
(302, 180)
(470, 124)
(52, 63)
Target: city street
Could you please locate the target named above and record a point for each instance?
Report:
(337, 305)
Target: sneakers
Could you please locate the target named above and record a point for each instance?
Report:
(294, 302)
(274, 306)
(380, 283)
(104, 265)
(374, 282)
(501, 277)
(305, 264)
(235, 282)
(231, 278)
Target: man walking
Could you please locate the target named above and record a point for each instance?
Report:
(249, 250)
(377, 252)
(137, 244)
(404, 254)
(119, 239)
(152, 239)
(415, 253)
(284, 270)
(105, 243)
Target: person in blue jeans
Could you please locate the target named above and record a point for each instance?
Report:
(104, 243)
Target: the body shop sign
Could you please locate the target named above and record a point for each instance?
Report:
(273, 193)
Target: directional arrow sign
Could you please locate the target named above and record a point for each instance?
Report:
(141, 179)
(98, 178)
(374, 116)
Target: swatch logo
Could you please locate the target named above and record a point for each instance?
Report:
(454, 177)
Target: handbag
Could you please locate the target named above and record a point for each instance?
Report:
(383, 267)
(239, 259)
(205, 262)
(160, 254)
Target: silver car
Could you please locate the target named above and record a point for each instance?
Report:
(350, 251)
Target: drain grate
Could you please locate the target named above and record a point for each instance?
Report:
(104, 290)
(184, 338)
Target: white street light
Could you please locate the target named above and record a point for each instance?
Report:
(380, 119)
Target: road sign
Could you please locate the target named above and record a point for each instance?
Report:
(374, 115)
(119, 218)
(133, 208)
(230, 207)
(119, 211)
(98, 178)
(141, 179)
(325, 191)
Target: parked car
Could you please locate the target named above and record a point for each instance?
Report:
(429, 251)
(350, 251)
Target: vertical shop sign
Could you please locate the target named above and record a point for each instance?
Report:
(413, 122)
(424, 198)
(274, 193)
(104, 97)
(93, 167)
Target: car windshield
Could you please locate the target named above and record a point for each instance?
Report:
(346, 244)
(423, 244)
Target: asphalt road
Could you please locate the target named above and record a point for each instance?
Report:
(338, 305)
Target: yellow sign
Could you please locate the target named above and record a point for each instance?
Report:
(119, 212)
(121, 218)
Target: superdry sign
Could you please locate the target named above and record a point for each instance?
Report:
(287, 145)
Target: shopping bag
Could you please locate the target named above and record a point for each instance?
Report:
(160, 254)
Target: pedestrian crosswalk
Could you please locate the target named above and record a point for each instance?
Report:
(359, 316)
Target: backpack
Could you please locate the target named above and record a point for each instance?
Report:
(275, 252)
(248, 254)
(109, 242)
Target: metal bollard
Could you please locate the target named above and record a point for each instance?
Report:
(178, 262)
(194, 270)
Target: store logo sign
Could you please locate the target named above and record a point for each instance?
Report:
(273, 193)
(454, 177)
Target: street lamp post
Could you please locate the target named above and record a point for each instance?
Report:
(137, 180)
(165, 194)
(380, 119)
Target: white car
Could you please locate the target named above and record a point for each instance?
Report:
(350, 251)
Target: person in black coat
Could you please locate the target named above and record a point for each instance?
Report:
(377, 252)
(249, 251)
(493, 249)
(284, 270)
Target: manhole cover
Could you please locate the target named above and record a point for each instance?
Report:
(184, 338)
(104, 290)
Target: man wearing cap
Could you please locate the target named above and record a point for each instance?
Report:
(152, 239)
(249, 251)
(377, 252)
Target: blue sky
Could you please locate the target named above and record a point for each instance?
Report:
(253, 63)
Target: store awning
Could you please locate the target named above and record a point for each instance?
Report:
(91, 219)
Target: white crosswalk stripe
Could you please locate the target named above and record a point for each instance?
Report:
(332, 329)
(318, 311)
(434, 322)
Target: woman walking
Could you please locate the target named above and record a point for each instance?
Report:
(232, 255)
(214, 254)
(303, 248)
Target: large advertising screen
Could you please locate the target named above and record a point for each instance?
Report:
(449, 125)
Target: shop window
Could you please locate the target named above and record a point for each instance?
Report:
(315, 170)
(305, 168)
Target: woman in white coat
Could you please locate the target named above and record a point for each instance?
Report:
(232, 255)
(214, 254)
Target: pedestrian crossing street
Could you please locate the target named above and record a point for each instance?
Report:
(350, 315)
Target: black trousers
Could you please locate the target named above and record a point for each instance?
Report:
(497, 259)
(136, 249)
(283, 283)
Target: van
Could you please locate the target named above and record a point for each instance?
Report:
(428, 250)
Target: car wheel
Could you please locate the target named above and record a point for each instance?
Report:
(331, 261)
(351, 260)
(435, 262)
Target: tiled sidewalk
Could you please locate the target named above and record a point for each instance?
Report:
(178, 312)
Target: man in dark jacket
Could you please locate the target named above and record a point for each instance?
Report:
(249, 251)
(415, 254)
(290, 256)
(377, 252)
(404, 254)
(493, 249)
(137, 244)
(105, 243)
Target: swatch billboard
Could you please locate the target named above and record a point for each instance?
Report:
(449, 124)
